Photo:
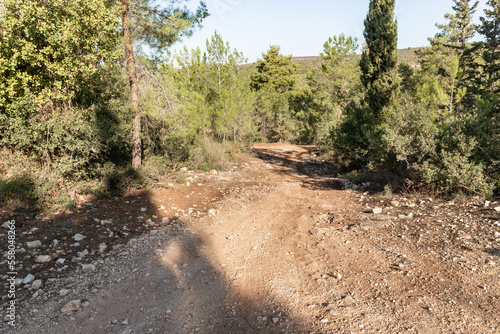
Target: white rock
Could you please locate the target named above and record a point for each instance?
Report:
(184, 169)
(143, 209)
(497, 209)
(102, 248)
(60, 261)
(212, 212)
(87, 268)
(28, 279)
(6, 225)
(73, 305)
(68, 212)
(377, 210)
(34, 244)
(43, 258)
(213, 172)
(78, 237)
(37, 284)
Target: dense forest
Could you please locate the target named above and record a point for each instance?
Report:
(92, 102)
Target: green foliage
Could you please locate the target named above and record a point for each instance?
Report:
(355, 139)
(47, 47)
(460, 29)
(337, 63)
(410, 131)
(273, 80)
(439, 81)
(275, 70)
(490, 29)
(380, 57)
(159, 26)
(453, 169)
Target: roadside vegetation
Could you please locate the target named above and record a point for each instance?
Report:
(90, 104)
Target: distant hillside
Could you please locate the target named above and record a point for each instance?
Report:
(307, 64)
(407, 56)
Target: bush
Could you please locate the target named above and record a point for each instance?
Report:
(208, 155)
(356, 139)
(439, 156)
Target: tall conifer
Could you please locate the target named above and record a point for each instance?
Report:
(380, 56)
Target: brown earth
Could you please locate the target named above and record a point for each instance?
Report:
(273, 245)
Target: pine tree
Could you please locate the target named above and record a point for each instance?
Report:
(490, 29)
(460, 29)
(144, 22)
(380, 56)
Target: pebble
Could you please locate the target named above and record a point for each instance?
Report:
(377, 210)
(6, 225)
(60, 261)
(42, 258)
(184, 169)
(37, 284)
(276, 320)
(497, 209)
(73, 305)
(125, 322)
(78, 237)
(28, 279)
(102, 248)
(34, 244)
(395, 204)
(213, 172)
(87, 268)
(64, 292)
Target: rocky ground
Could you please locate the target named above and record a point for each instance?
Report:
(275, 244)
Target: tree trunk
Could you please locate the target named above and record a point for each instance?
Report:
(132, 76)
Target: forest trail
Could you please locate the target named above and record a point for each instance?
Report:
(278, 247)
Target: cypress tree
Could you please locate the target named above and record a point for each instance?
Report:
(380, 56)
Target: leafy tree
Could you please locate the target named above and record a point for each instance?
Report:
(48, 47)
(146, 23)
(380, 56)
(51, 55)
(274, 79)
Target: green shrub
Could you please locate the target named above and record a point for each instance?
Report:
(356, 139)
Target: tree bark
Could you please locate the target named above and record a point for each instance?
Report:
(132, 76)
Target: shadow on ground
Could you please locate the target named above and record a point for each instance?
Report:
(312, 175)
(170, 286)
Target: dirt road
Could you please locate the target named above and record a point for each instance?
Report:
(275, 246)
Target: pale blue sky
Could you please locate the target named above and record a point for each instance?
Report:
(301, 28)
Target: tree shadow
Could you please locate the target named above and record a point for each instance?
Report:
(313, 175)
(170, 284)
(492, 251)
